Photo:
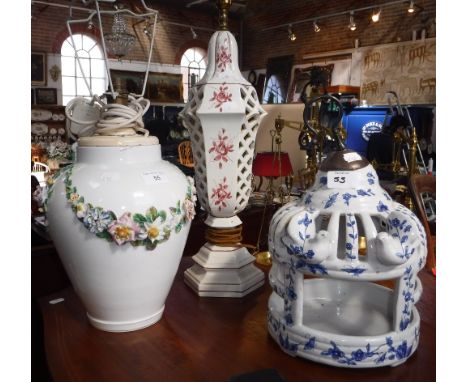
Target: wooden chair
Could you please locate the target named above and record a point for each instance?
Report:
(186, 154)
(423, 191)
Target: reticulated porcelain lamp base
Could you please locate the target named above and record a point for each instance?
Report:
(128, 326)
(223, 272)
(346, 324)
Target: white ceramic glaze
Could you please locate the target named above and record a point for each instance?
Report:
(223, 115)
(123, 287)
(342, 319)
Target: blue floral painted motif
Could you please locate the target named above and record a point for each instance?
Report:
(308, 199)
(347, 197)
(410, 214)
(362, 192)
(314, 268)
(400, 230)
(310, 344)
(381, 207)
(370, 178)
(323, 180)
(352, 225)
(356, 271)
(299, 250)
(408, 297)
(331, 200)
(387, 351)
(288, 345)
(387, 196)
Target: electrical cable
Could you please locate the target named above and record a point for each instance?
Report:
(98, 118)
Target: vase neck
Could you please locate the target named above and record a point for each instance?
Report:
(119, 155)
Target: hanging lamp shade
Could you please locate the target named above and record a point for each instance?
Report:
(119, 42)
(272, 164)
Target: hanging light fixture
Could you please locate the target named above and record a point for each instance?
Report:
(291, 34)
(316, 27)
(411, 7)
(194, 34)
(376, 15)
(119, 42)
(352, 25)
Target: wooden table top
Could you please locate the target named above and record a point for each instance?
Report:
(205, 339)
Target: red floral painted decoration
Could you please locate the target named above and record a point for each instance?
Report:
(223, 57)
(221, 97)
(220, 194)
(221, 148)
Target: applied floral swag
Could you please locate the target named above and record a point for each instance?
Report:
(148, 229)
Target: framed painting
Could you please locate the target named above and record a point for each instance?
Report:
(38, 69)
(164, 87)
(160, 87)
(46, 96)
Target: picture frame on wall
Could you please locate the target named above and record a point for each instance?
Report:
(38, 69)
(320, 75)
(160, 87)
(46, 96)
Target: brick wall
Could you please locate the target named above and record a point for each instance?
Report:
(48, 31)
(395, 25)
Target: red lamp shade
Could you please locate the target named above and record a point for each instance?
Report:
(268, 164)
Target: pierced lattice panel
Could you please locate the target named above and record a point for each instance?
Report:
(198, 146)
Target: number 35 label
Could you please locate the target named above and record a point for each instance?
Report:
(154, 177)
(341, 179)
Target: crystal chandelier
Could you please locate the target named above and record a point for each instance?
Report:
(119, 42)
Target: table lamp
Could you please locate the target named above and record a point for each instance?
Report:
(271, 165)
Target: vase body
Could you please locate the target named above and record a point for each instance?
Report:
(123, 281)
(223, 115)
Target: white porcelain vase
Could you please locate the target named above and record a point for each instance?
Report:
(223, 115)
(119, 218)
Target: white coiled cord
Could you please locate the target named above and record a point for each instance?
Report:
(96, 117)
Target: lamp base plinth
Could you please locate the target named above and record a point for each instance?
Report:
(223, 272)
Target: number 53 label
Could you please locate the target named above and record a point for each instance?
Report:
(341, 179)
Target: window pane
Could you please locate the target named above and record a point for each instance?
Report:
(83, 53)
(98, 85)
(198, 55)
(68, 66)
(85, 65)
(184, 61)
(67, 49)
(76, 40)
(88, 43)
(81, 88)
(66, 99)
(68, 85)
(98, 68)
(96, 52)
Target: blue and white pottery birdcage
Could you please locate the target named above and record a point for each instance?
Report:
(325, 305)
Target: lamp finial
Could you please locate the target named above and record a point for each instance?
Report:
(223, 6)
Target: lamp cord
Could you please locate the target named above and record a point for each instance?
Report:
(114, 119)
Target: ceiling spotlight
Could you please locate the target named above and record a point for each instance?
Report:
(352, 25)
(411, 7)
(194, 34)
(90, 24)
(291, 34)
(376, 15)
(316, 27)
